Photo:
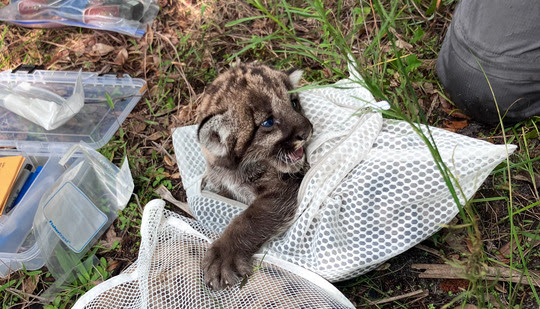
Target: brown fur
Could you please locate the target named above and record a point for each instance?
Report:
(253, 163)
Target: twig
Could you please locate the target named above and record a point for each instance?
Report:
(429, 250)
(419, 11)
(419, 293)
(42, 299)
(443, 271)
(163, 151)
(167, 195)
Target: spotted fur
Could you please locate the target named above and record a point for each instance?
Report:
(251, 161)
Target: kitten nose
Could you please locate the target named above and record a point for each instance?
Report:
(303, 129)
(304, 134)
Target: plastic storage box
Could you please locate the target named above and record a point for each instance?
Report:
(95, 124)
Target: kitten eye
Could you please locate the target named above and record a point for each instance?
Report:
(268, 122)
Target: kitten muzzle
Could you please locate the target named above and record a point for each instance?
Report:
(297, 155)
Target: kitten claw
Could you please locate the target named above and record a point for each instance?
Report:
(224, 267)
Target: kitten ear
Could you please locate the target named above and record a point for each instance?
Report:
(213, 134)
(294, 76)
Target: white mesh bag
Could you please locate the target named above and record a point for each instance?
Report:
(167, 274)
(373, 189)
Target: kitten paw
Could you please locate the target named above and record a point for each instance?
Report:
(223, 266)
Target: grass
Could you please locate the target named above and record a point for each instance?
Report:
(394, 45)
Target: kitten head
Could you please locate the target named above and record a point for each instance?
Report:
(248, 116)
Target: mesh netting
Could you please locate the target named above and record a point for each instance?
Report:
(373, 189)
(168, 275)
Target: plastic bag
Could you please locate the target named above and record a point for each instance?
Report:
(41, 106)
(79, 208)
(373, 189)
(167, 274)
(124, 16)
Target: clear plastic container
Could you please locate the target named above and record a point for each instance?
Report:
(95, 124)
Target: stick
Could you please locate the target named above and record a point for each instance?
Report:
(443, 271)
(429, 250)
(420, 293)
(167, 195)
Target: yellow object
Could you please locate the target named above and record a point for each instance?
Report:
(9, 169)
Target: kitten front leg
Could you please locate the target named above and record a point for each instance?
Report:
(229, 258)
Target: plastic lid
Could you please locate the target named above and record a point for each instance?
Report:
(95, 124)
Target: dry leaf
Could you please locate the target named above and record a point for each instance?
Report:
(507, 249)
(185, 115)
(169, 161)
(30, 284)
(102, 49)
(523, 178)
(110, 238)
(444, 103)
(121, 57)
(155, 136)
(113, 265)
(175, 175)
(139, 127)
(403, 45)
(91, 41)
(428, 88)
(455, 125)
(156, 60)
(78, 46)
